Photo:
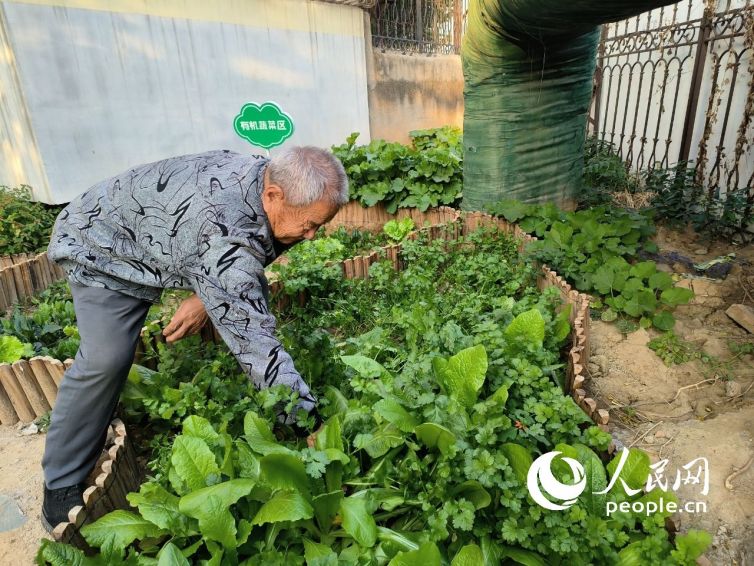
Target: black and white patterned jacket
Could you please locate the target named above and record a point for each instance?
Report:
(190, 222)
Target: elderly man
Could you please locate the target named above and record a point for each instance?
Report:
(209, 222)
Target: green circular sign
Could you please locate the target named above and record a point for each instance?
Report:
(265, 126)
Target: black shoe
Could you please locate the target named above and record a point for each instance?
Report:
(57, 503)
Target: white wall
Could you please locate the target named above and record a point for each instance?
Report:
(108, 85)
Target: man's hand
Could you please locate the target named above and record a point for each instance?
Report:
(188, 319)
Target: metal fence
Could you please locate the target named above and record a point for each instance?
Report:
(676, 85)
(419, 26)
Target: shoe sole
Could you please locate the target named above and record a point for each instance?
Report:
(46, 524)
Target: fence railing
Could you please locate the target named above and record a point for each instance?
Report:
(676, 85)
(419, 26)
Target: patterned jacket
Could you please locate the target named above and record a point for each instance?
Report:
(190, 222)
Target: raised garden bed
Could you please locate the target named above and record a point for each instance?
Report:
(25, 275)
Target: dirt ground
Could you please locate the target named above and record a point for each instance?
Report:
(21, 481)
(695, 409)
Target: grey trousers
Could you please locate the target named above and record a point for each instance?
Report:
(109, 323)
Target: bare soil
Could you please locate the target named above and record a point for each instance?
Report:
(695, 409)
(21, 480)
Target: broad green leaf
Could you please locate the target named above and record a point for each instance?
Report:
(113, 532)
(661, 281)
(284, 471)
(284, 506)
(499, 397)
(330, 436)
(378, 444)
(529, 327)
(463, 375)
(260, 437)
(473, 492)
(12, 349)
(60, 554)
(596, 480)
(434, 435)
(690, 546)
(631, 555)
(492, 551)
(170, 555)
(159, 506)
(426, 555)
(521, 556)
(200, 427)
(326, 506)
(365, 367)
(338, 402)
(519, 459)
(562, 325)
(663, 320)
(245, 461)
(676, 296)
(603, 280)
(631, 287)
(194, 462)
(469, 555)
(211, 506)
(643, 301)
(394, 413)
(357, 521)
(635, 469)
(643, 269)
(317, 554)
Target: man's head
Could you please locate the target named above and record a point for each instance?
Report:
(303, 189)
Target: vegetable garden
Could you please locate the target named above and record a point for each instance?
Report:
(439, 384)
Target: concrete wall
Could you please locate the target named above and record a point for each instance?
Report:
(92, 87)
(411, 92)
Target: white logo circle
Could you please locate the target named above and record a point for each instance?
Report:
(541, 474)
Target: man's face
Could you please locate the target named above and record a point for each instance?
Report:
(291, 224)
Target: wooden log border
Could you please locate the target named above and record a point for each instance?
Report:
(116, 475)
(25, 275)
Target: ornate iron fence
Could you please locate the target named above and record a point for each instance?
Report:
(419, 26)
(676, 85)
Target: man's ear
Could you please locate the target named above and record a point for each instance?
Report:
(274, 193)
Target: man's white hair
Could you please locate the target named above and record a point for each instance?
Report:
(309, 174)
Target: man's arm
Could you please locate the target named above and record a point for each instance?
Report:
(230, 281)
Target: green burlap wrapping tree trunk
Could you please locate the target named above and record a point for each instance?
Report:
(528, 67)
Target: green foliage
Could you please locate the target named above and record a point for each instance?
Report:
(397, 230)
(427, 174)
(594, 249)
(604, 174)
(46, 325)
(672, 350)
(12, 349)
(26, 225)
(677, 196)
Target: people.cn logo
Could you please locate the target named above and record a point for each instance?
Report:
(540, 479)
